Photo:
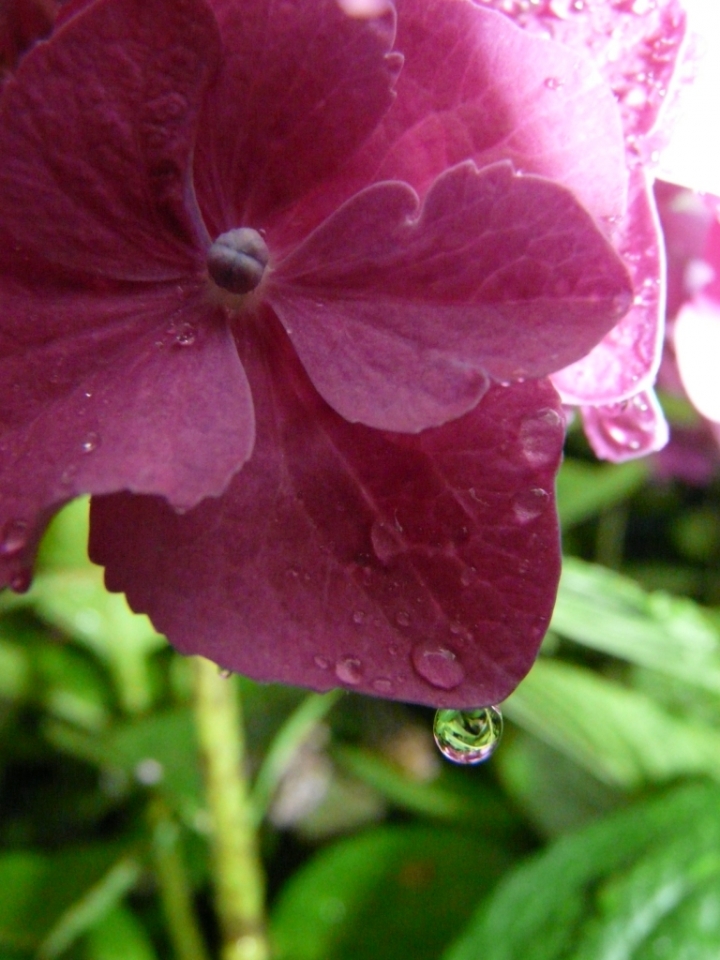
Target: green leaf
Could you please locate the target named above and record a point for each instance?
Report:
(119, 936)
(608, 612)
(76, 602)
(279, 757)
(556, 794)
(90, 908)
(586, 489)
(157, 750)
(621, 736)
(645, 883)
(387, 893)
(64, 544)
(39, 889)
(440, 797)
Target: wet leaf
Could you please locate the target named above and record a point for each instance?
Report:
(642, 884)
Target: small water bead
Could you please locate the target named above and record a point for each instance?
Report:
(185, 334)
(553, 83)
(382, 685)
(90, 442)
(14, 538)
(224, 673)
(237, 260)
(386, 541)
(541, 436)
(439, 665)
(402, 619)
(349, 670)
(468, 736)
(322, 662)
(529, 504)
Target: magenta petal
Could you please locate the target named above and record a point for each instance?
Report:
(96, 134)
(627, 359)
(398, 316)
(475, 86)
(420, 568)
(142, 393)
(624, 431)
(302, 85)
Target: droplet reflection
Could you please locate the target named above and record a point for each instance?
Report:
(468, 736)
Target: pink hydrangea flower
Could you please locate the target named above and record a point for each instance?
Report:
(693, 230)
(286, 306)
(636, 45)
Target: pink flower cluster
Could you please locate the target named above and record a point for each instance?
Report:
(297, 291)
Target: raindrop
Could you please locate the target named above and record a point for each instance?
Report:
(349, 670)
(540, 437)
(225, 673)
(438, 665)
(91, 442)
(468, 736)
(321, 662)
(382, 685)
(553, 83)
(185, 334)
(14, 538)
(358, 617)
(403, 619)
(386, 541)
(529, 504)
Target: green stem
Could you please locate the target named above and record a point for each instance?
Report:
(239, 879)
(175, 889)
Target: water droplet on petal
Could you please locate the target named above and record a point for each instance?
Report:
(321, 662)
(468, 736)
(90, 442)
(225, 673)
(14, 538)
(467, 576)
(541, 436)
(349, 670)
(438, 665)
(529, 504)
(382, 685)
(402, 618)
(386, 541)
(185, 334)
(553, 83)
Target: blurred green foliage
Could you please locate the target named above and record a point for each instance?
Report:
(593, 834)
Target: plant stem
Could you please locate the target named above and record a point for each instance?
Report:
(175, 889)
(239, 879)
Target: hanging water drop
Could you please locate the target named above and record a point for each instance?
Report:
(468, 736)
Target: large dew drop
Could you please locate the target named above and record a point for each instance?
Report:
(468, 736)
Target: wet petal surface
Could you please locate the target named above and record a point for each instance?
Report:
(420, 568)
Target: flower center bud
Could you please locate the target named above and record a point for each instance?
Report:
(237, 260)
